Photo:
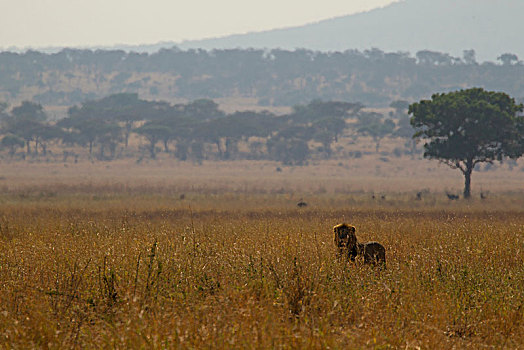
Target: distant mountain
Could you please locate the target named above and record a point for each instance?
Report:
(490, 27)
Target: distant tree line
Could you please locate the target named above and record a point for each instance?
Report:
(274, 77)
(194, 131)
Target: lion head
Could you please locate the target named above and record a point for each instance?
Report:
(345, 237)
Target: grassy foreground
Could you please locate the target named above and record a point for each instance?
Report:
(139, 271)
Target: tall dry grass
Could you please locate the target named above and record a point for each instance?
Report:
(88, 269)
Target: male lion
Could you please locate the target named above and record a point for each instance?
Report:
(346, 242)
(344, 237)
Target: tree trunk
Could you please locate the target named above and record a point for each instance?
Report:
(467, 179)
(377, 145)
(112, 149)
(152, 148)
(327, 149)
(36, 145)
(220, 153)
(129, 126)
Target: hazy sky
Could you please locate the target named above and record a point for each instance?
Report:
(40, 23)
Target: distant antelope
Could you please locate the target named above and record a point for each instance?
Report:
(301, 204)
(452, 197)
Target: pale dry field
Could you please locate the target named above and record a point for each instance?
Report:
(111, 255)
(370, 173)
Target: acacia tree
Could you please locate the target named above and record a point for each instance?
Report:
(372, 124)
(467, 127)
(12, 142)
(26, 122)
(400, 106)
(155, 132)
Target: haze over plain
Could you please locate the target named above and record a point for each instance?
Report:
(489, 27)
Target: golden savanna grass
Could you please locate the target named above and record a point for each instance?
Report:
(130, 264)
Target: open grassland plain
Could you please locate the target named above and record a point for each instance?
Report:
(121, 262)
(368, 174)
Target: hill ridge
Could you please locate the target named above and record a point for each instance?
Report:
(451, 26)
